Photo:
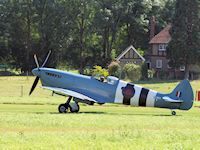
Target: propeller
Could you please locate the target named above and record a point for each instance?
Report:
(38, 66)
(34, 85)
(45, 61)
(36, 61)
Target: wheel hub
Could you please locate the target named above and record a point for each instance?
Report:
(62, 109)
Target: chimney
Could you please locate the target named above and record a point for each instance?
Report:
(152, 27)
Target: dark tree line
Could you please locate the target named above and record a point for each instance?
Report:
(79, 32)
(184, 48)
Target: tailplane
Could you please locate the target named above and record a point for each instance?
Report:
(183, 92)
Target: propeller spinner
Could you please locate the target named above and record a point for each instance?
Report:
(36, 70)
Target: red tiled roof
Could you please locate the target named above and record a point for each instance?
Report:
(162, 37)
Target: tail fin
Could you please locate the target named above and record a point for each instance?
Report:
(183, 91)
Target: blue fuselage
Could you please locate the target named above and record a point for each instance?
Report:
(100, 91)
(115, 90)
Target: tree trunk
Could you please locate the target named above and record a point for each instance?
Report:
(43, 41)
(174, 73)
(192, 76)
(187, 69)
(81, 45)
(114, 32)
(28, 42)
(81, 66)
(106, 42)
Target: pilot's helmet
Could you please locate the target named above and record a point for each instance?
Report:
(102, 78)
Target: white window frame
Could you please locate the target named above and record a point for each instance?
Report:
(162, 47)
(159, 63)
(182, 68)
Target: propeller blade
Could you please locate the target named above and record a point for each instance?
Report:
(34, 85)
(36, 61)
(46, 59)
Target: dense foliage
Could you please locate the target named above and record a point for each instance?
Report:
(184, 48)
(132, 72)
(98, 71)
(79, 32)
(114, 69)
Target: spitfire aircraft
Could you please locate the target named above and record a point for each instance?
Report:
(89, 90)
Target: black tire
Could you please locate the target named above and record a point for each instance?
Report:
(62, 108)
(101, 103)
(74, 111)
(173, 113)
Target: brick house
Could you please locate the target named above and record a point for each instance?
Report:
(157, 57)
(130, 55)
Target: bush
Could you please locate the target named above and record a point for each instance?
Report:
(114, 69)
(163, 74)
(151, 74)
(144, 71)
(87, 71)
(98, 70)
(132, 71)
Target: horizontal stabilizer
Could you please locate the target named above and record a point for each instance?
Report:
(69, 93)
(168, 99)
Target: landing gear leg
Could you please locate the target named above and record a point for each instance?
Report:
(173, 113)
(74, 107)
(63, 108)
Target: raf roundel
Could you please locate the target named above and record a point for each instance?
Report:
(128, 91)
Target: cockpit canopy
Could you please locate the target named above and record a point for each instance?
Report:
(112, 80)
(109, 80)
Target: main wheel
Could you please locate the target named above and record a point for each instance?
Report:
(62, 108)
(173, 113)
(74, 107)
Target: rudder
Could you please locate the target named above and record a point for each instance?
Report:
(183, 91)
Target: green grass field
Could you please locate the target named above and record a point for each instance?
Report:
(34, 123)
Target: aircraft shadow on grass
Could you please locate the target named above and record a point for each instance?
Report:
(90, 90)
(109, 113)
(91, 112)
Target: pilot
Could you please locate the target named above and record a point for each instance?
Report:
(102, 78)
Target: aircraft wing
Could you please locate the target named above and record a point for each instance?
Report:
(168, 99)
(69, 92)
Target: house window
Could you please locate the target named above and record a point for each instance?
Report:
(182, 68)
(162, 47)
(158, 63)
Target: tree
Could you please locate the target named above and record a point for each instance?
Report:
(52, 27)
(4, 29)
(83, 21)
(167, 12)
(17, 41)
(79, 32)
(134, 20)
(82, 13)
(162, 10)
(184, 48)
(107, 21)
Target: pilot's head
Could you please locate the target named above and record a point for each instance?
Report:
(102, 78)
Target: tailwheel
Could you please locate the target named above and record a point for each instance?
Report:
(74, 107)
(62, 108)
(173, 113)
